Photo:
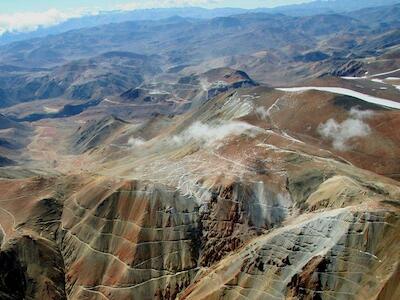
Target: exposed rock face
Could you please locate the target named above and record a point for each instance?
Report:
(334, 257)
(33, 269)
(12, 281)
(350, 68)
(217, 81)
(234, 199)
(129, 239)
(145, 238)
(177, 176)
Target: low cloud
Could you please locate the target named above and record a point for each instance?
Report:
(342, 133)
(30, 21)
(135, 142)
(262, 113)
(209, 134)
(361, 114)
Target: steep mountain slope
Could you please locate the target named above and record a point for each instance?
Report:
(236, 198)
(173, 174)
(96, 134)
(14, 137)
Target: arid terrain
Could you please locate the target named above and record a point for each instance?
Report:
(248, 156)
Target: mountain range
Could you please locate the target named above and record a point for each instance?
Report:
(203, 154)
(118, 16)
(272, 48)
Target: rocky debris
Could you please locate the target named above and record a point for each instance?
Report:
(12, 278)
(124, 238)
(352, 68)
(217, 187)
(139, 242)
(234, 214)
(218, 81)
(223, 80)
(268, 212)
(306, 260)
(32, 268)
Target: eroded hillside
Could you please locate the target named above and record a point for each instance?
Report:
(234, 199)
(263, 168)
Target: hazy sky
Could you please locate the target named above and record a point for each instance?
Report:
(13, 6)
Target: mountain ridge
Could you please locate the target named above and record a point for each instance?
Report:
(315, 7)
(247, 156)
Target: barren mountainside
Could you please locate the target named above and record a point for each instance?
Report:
(249, 156)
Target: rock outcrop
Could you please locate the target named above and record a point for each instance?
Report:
(234, 199)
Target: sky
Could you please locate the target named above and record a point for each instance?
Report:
(28, 15)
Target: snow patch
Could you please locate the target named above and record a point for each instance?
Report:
(347, 92)
(50, 110)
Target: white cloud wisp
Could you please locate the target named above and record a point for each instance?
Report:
(342, 133)
(209, 134)
(31, 21)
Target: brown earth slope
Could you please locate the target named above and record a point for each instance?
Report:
(242, 197)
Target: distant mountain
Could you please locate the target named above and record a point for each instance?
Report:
(97, 62)
(108, 17)
(328, 6)
(110, 72)
(182, 40)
